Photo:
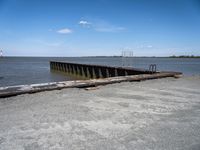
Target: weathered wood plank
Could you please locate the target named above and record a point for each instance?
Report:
(33, 88)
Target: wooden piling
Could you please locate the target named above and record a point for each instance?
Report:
(94, 71)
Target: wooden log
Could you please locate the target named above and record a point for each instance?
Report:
(33, 88)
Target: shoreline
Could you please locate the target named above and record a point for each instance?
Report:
(15, 85)
(197, 57)
(33, 88)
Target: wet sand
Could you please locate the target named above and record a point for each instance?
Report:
(155, 114)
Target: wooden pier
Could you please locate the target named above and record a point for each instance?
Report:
(85, 71)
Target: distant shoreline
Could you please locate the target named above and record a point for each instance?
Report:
(184, 56)
(150, 56)
(181, 56)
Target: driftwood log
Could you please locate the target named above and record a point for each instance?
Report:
(33, 88)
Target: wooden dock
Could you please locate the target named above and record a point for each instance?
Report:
(88, 71)
(33, 88)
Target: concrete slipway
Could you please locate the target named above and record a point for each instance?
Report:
(154, 114)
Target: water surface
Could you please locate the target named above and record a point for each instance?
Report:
(29, 70)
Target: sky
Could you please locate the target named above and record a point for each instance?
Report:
(99, 27)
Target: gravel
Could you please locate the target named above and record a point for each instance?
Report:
(155, 114)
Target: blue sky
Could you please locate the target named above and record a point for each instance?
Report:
(99, 27)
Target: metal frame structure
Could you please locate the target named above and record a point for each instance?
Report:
(127, 58)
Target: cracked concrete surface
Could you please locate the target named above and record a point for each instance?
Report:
(154, 114)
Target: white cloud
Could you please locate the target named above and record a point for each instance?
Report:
(64, 31)
(84, 22)
(101, 26)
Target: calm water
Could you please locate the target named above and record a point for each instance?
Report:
(28, 70)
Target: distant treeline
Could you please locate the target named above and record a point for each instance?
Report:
(181, 56)
(185, 56)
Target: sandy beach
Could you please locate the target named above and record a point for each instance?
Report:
(154, 114)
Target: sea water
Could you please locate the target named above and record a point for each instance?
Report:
(29, 70)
